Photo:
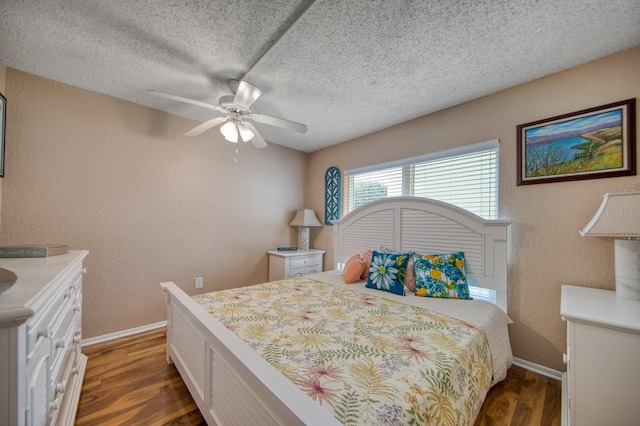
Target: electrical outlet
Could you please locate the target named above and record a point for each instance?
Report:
(199, 282)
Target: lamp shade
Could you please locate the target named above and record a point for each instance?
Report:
(245, 133)
(230, 132)
(305, 217)
(617, 217)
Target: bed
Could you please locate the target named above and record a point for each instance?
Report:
(235, 380)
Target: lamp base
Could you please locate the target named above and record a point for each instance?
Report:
(627, 260)
(303, 238)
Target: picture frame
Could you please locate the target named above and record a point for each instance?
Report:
(593, 143)
(3, 130)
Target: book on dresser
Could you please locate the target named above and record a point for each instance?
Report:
(41, 250)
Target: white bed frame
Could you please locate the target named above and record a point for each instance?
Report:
(233, 385)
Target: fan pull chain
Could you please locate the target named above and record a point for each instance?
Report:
(235, 157)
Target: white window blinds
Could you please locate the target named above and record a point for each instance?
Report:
(466, 177)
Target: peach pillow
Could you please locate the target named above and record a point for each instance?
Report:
(366, 261)
(410, 276)
(353, 269)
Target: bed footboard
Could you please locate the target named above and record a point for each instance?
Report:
(230, 383)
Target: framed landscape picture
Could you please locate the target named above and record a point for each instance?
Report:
(593, 143)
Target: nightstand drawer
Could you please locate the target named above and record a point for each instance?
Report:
(296, 272)
(305, 261)
(312, 269)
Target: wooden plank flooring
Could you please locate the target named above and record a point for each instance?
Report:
(128, 381)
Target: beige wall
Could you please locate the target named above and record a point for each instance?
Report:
(118, 179)
(151, 205)
(545, 249)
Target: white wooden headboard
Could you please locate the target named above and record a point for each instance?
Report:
(425, 226)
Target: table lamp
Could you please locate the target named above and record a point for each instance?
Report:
(303, 220)
(619, 218)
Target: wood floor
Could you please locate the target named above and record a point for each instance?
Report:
(128, 382)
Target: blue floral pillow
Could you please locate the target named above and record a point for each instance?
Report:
(441, 275)
(387, 271)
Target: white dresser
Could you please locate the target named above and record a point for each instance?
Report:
(603, 357)
(41, 366)
(287, 264)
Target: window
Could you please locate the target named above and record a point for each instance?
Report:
(466, 177)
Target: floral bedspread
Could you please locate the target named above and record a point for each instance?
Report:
(366, 359)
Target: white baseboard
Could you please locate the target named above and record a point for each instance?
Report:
(537, 368)
(123, 333)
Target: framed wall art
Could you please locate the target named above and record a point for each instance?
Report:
(593, 143)
(331, 195)
(3, 125)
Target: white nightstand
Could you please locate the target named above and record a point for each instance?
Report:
(287, 264)
(603, 367)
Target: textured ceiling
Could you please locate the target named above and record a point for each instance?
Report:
(344, 68)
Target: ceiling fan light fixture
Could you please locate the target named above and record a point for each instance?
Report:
(237, 121)
(245, 133)
(230, 132)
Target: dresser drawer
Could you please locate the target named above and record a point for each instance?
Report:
(305, 261)
(38, 392)
(76, 282)
(62, 338)
(63, 363)
(38, 377)
(40, 325)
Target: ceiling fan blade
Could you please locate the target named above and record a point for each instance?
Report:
(257, 139)
(278, 122)
(201, 128)
(185, 100)
(246, 95)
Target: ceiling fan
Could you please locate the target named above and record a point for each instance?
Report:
(237, 113)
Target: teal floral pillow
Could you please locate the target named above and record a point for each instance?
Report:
(441, 275)
(387, 272)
